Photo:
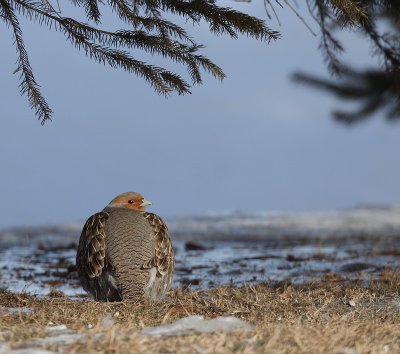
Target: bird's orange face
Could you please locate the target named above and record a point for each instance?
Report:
(130, 200)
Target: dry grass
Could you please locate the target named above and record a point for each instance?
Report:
(312, 318)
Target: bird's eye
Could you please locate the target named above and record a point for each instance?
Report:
(130, 201)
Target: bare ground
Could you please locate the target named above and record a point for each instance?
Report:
(332, 315)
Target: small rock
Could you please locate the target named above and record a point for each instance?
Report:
(347, 350)
(183, 270)
(72, 268)
(293, 258)
(352, 303)
(356, 267)
(107, 320)
(188, 282)
(193, 246)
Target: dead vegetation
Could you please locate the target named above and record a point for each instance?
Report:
(332, 315)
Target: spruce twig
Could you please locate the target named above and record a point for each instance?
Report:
(147, 30)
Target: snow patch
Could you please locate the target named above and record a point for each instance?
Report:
(11, 310)
(29, 351)
(197, 324)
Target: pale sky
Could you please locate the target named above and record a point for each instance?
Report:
(255, 142)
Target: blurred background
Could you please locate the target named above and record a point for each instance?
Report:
(255, 142)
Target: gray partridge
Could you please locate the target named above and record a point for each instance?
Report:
(125, 252)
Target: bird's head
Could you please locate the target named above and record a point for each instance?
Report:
(129, 200)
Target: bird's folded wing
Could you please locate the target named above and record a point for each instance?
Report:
(163, 259)
(93, 244)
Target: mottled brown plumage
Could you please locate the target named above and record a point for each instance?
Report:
(125, 252)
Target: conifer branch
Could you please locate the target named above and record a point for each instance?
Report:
(376, 89)
(28, 83)
(329, 45)
(147, 31)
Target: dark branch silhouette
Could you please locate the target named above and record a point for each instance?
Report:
(376, 89)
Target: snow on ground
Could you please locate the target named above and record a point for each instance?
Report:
(360, 221)
(197, 324)
(268, 247)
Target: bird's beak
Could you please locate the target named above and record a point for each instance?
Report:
(145, 202)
